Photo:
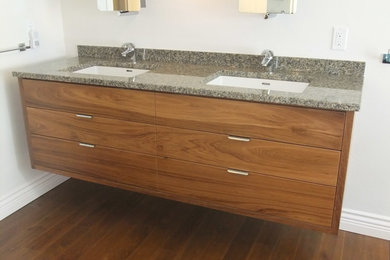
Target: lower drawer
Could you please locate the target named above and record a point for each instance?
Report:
(97, 162)
(254, 195)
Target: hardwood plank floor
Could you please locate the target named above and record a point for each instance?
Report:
(81, 220)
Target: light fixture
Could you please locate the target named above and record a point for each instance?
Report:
(268, 7)
(123, 6)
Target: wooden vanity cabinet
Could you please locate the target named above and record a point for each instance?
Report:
(274, 162)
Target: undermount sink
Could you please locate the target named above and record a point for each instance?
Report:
(111, 71)
(256, 83)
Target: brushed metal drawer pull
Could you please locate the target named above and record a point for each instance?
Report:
(87, 145)
(238, 172)
(84, 116)
(239, 138)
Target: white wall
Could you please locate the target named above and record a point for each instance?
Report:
(46, 16)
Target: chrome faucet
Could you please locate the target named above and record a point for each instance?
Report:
(268, 58)
(129, 47)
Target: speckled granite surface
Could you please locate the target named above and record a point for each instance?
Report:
(335, 85)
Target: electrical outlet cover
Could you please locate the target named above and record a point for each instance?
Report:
(340, 38)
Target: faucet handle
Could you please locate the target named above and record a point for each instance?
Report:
(267, 53)
(128, 45)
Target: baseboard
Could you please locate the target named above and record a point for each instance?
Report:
(29, 192)
(365, 223)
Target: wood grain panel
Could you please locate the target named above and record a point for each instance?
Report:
(279, 159)
(26, 126)
(314, 127)
(296, 157)
(342, 171)
(114, 102)
(138, 137)
(255, 194)
(100, 162)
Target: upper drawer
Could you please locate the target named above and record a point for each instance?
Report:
(306, 126)
(127, 135)
(120, 103)
(291, 161)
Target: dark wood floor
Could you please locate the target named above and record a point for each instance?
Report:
(80, 220)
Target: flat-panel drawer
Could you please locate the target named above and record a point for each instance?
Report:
(97, 162)
(127, 135)
(298, 162)
(254, 195)
(313, 127)
(113, 102)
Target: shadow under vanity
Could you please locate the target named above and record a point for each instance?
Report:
(275, 155)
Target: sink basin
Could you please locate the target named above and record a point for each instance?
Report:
(111, 71)
(256, 83)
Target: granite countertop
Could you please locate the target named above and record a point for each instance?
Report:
(335, 85)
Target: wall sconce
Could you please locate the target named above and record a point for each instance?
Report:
(268, 7)
(123, 6)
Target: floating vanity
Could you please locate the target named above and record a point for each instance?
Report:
(177, 132)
